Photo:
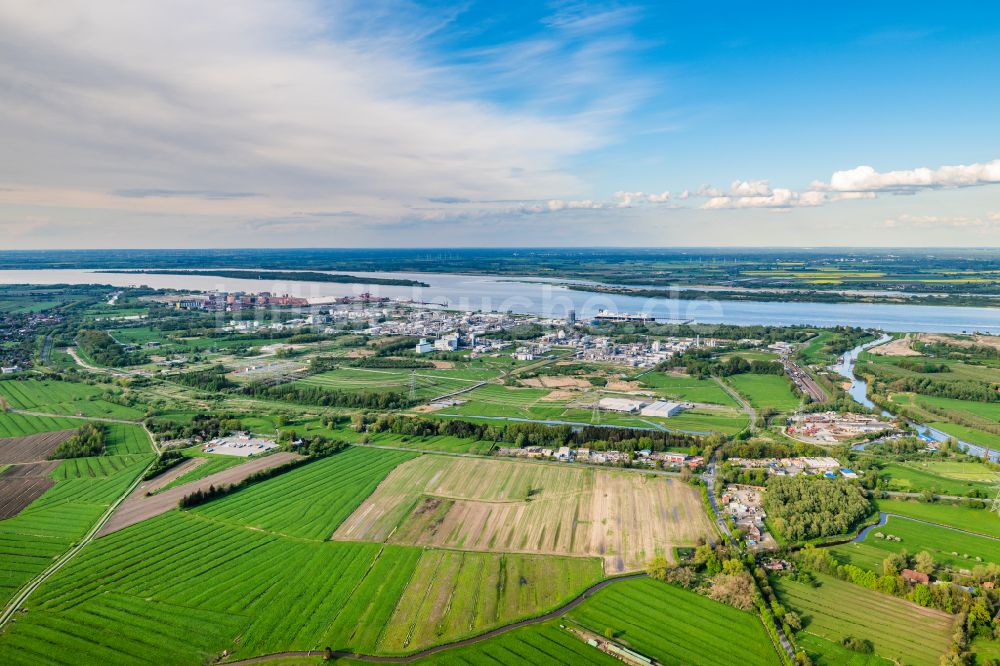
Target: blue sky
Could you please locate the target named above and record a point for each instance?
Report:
(397, 123)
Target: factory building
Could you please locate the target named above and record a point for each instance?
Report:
(663, 409)
(620, 405)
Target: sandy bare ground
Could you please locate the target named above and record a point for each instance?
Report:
(897, 347)
(559, 395)
(556, 382)
(139, 506)
(360, 353)
(426, 409)
(31, 448)
(443, 365)
(963, 341)
(624, 518)
(620, 385)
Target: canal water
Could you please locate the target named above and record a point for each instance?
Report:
(859, 391)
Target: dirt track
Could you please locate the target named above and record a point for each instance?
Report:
(139, 506)
(31, 448)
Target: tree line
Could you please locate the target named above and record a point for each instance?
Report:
(314, 395)
(211, 379)
(530, 434)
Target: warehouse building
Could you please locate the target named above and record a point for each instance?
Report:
(663, 409)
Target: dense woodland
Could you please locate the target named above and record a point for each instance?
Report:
(102, 349)
(806, 507)
(89, 440)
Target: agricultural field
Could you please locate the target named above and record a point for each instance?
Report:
(511, 506)
(676, 626)
(952, 547)
(544, 643)
(427, 383)
(20, 485)
(837, 609)
(207, 465)
(985, 410)
(311, 501)
(237, 580)
(687, 388)
(941, 478)
(982, 438)
(888, 367)
(31, 448)
(454, 593)
(815, 351)
(503, 402)
(126, 438)
(18, 425)
(828, 653)
(438, 443)
(981, 521)
(145, 502)
(766, 391)
(63, 398)
(61, 515)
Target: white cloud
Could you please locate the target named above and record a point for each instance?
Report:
(778, 198)
(629, 199)
(707, 191)
(867, 179)
(292, 105)
(750, 188)
(556, 205)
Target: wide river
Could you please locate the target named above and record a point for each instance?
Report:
(541, 297)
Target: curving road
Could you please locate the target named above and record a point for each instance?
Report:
(562, 610)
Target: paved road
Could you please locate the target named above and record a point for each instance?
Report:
(709, 477)
(447, 646)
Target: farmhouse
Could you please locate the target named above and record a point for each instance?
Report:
(911, 576)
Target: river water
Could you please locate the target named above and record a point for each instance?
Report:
(542, 296)
(859, 391)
